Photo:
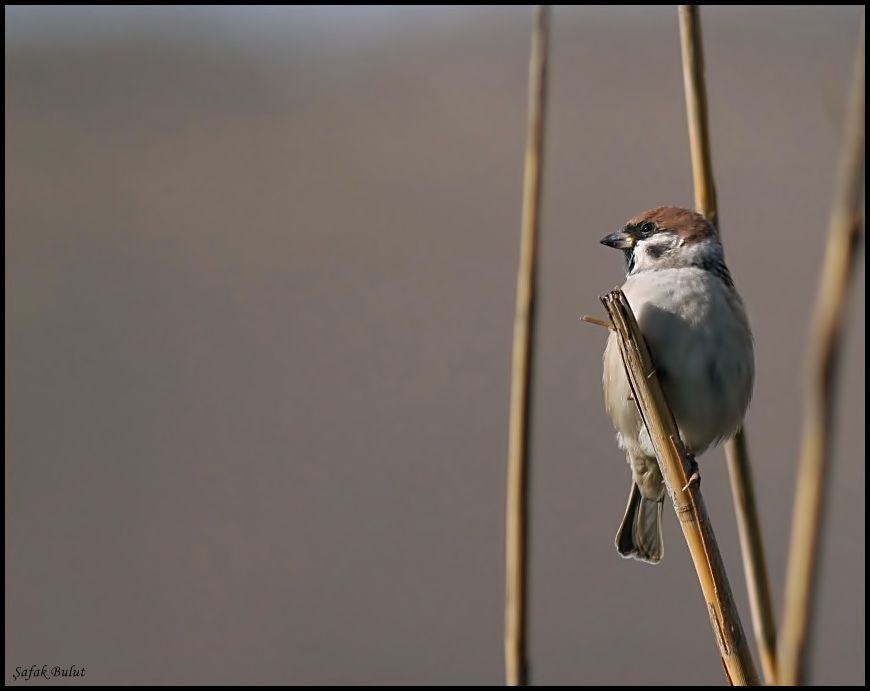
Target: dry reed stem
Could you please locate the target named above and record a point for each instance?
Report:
(739, 469)
(844, 242)
(752, 550)
(516, 662)
(687, 500)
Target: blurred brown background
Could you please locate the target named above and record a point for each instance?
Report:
(260, 272)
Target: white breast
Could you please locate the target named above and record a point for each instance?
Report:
(699, 338)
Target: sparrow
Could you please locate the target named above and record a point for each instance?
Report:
(696, 328)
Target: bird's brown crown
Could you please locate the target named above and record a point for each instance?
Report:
(689, 225)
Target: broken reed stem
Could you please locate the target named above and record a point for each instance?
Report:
(688, 502)
(739, 468)
(844, 242)
(597, 322)
(516, 662)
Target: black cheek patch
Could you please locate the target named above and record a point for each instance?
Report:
(655, 251)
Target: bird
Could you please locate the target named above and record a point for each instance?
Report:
(696, 328)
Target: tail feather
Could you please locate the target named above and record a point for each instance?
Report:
(640, 535)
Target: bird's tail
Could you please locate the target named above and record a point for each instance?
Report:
(640, 535)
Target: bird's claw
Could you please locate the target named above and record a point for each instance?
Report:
(695, 477)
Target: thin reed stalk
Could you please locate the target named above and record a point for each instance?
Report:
(739, 468)
(686, 495)
(516, 656)
(844, 247)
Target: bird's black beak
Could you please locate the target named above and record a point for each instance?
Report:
(619, 240)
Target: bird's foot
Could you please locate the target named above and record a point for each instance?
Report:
(695, 477)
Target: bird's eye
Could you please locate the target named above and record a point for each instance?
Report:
(647, 229)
